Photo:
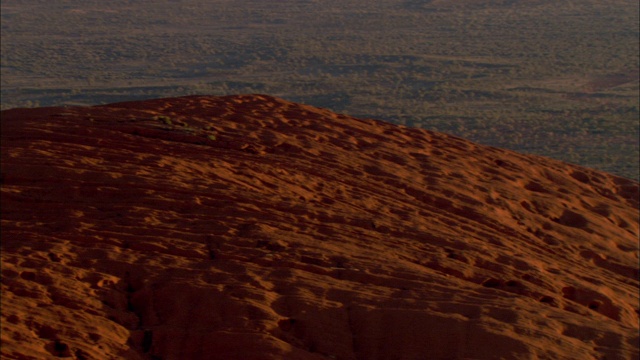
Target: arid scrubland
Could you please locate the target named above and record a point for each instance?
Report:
(556, 78)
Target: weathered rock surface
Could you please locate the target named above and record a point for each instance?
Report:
(248, 227)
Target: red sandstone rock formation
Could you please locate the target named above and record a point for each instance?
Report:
(248, 227)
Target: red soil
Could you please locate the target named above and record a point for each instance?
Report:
(248, 227)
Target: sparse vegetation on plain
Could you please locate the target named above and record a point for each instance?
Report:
(556, 78)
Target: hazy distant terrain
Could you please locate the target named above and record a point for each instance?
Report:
(556, 78)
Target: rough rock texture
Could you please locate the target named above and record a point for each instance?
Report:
(248, 227)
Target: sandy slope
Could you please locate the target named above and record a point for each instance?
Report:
(249, 227)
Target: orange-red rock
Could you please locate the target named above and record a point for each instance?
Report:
(249, 227)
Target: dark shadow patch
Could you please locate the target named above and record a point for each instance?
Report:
(580, 176)
(548, 300)
(492, 283)
(58, 349)
(572, 219)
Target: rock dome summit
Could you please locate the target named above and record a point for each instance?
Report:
(250, 227)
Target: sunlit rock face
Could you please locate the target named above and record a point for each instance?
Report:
(249, 227)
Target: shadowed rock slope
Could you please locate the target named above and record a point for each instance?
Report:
(248, 227)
